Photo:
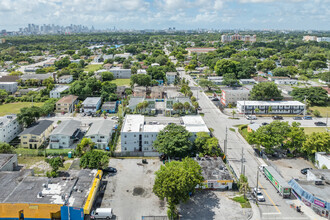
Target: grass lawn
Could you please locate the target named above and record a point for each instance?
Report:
(29, 161)
(13, 108)
(241, 200)
(310, 130)
(121, 82)
(323, 110)
(93, 67)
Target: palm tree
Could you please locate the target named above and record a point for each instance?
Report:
(256, 110)
(233, 112)
(243, 185)
(186, 105)
(270, 109)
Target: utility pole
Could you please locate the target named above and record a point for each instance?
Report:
(225, 143)
(327, 122)
(305, 107)
(242, 161)
(257, 177)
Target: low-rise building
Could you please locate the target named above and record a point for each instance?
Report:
(217, 80)
(9, 128)
(8, 162)
(91, 104)
(141, 71)
(140, 91)
(66, 104)
(66, 79)
(270, 107)
(109, 107)
(35, 135)
(10, 87)
(100, 133)
(247, 81)
(215, 173)
(8, 78)
(169, 103)
(138, 133)
(322, 160)
(283, 80)
(171, 76)
(39, 77)
(260, 79)
(119, 73)
(199, 50)
(157, 92)
(57, 91)
(120, 91)
(64, 134)
(231, 95)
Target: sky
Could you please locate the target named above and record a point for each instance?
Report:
(162, 14)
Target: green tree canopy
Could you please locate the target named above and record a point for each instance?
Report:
(225, 66)
(6, 148)
(265, 91)
(28, 115)
(317, 142)
(94, 159)
(315, 95)
(107, 76)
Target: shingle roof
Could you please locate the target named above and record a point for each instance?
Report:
(68, 127)
(103, 127)
(38, 128)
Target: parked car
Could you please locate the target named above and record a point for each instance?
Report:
(89, 114)
(307, 118)
(110, 170)
(304, 171)
(264, 123)
(277, 117)
(101, 213)
(297, 118)
(320, 123)
(257, 193)
(251, 117)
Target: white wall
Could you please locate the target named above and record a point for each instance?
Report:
(10, 165)
(322, 159)
(10, 131)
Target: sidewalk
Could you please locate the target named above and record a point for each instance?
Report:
(307, 210)
(255, 211)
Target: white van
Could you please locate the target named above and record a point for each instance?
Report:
(251, 117)
(103, 213)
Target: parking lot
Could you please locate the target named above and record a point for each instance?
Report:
(290, 167)
(129, 191)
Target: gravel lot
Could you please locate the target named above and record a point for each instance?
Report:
(129, 191)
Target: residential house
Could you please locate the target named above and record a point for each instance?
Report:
(75, 61)
(260, 79)
(107, 66)
(171, 76)
(91, 104)
(157, 92)
(119, 73)
(138, 134)
(141, 71)
(39, 77)
(217, 80)
(57, 91)
(9, 128)
(50, 63)
(140, 91)
(8, 162)
(155, 64)
(247, 81)
(10, 87)
(270, 107)
(283, 80)
(150, 109)
(66, 79)
(35, 135)
(123, 55)
(22, 92)
(8, 78)
(120, 92)
(109, 107)
(66, 104)
(231, 95)
(102, 58)
(100, 133)
(64, 134)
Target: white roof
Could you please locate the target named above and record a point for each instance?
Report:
(103, 127)
(91, 100)
(60, 89)
(273, 103)
(133, 123)
(153, 128)
(194, 123)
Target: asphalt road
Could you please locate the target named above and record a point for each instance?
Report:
(275, 207)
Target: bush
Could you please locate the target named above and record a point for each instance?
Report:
(316, 113)
(324, 167)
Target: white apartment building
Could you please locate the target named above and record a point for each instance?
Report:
(9, 128)
(64, 134)
(100, 133)
(65, 79)
(91, 104)
(10, 87)
(283, 80)
(139, 135)
(171, 76)
(276, 107)
(119, 73)
(322, 159)
(217, 80)
(56, 92)
(232, 95)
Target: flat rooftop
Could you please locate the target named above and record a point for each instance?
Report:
(4, 158)
(319, 191)
(60, 89)
(132, 123)
(67, 99)
(274, 103)
(91, 100)
(213, 168)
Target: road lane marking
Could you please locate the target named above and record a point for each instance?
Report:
(271, 213)
(269, 198)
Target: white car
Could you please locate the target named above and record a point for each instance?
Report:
(257, 193)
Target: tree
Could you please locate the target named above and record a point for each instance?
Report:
(207, 84)
(225, 66)
(233, 113)
(107, 76)
(94, 159)
(207, 145)
(186, 106)
(64, 62)
(85, 145)
(265, 91)
(316, 142)
(6, 148)
(48, 107)
(243, 185)
(230, 79)
(175, 180)
(55, 163)
(295, 137)
(173, 141)
(28, 115)
(316, 113)
(141, 79)
(3, 94)
(317, 64)
(256, 110)
(266, 65)
(314, 95)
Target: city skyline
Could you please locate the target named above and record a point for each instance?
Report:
(162, 14)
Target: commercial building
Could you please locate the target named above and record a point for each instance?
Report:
(66, 104)
(24, 196)
(215, 173)
(64, 134)
(322, 160)
(231, 95)
(315, 191)
(171, 76)
(57, 91)
(138, 133)
(10, 87)
(119, 73)
(270, 107)
(65, 79)
(91, 104)
(9, 128)
(8, 162)
(100, 133)
(35, 135)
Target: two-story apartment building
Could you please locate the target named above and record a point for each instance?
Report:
(65, 79)
(231, 95)
(119, 73)
(91, 104)
(157, 92)
(35, 135)
(9, 128)
(10, 87)
(283, 80)
(64, 134)
(57, 91)
(171, 76)
(270, 107)
(66, 104)
(100, 133)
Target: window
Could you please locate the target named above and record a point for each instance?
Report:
(102, 137)
(24, 142)
(125, 142)
(125, 136)
(24, 136)
(92, 136)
